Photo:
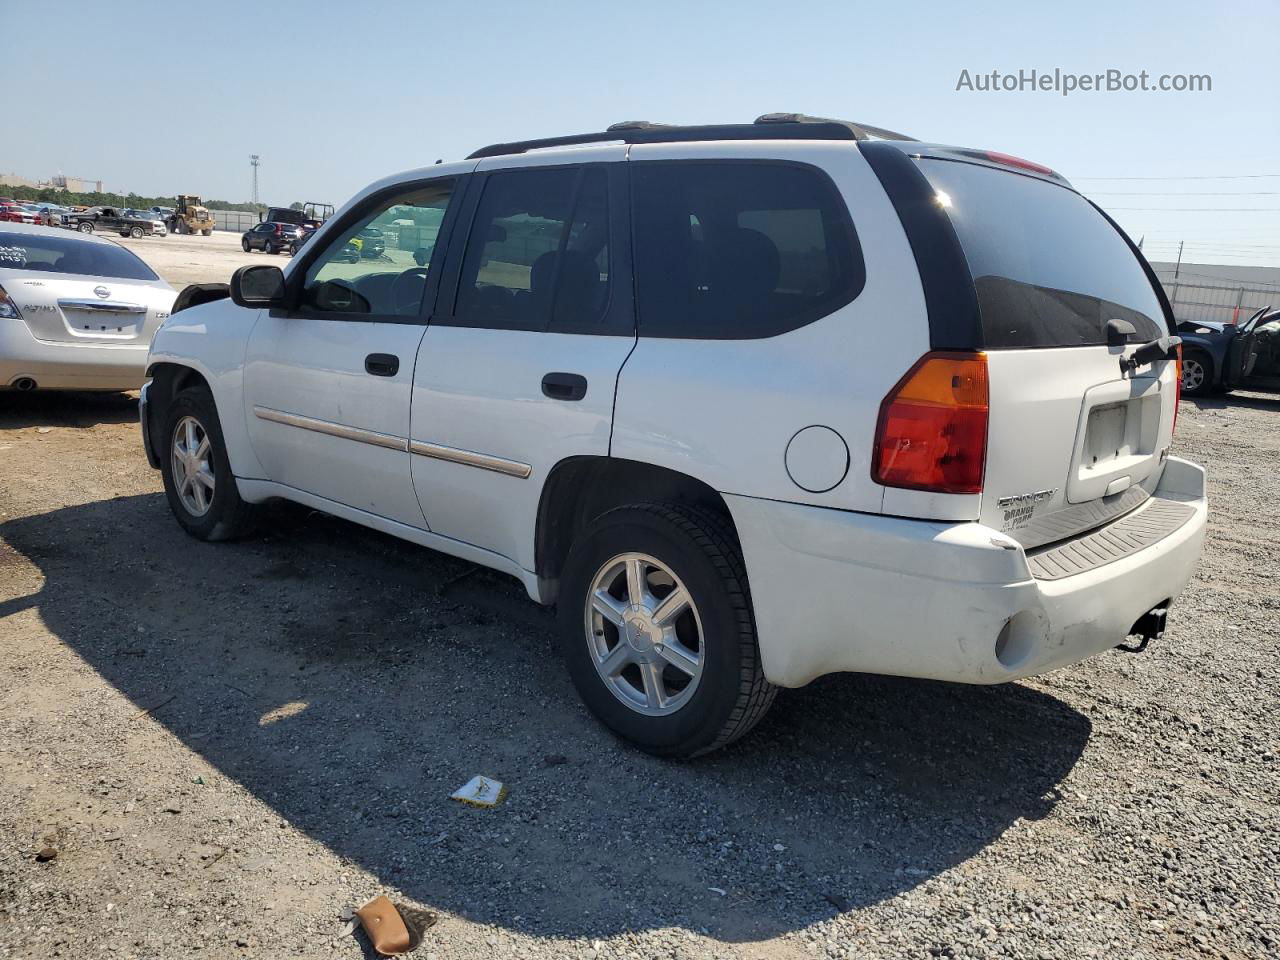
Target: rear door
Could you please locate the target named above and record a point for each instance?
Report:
(1074, 439)
(519, 367)
(1242, 354)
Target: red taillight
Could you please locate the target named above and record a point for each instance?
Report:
(932, 431)
(1177, 393)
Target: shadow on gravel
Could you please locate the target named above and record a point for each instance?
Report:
(1225, 401)
(322, 668)
(65, 409)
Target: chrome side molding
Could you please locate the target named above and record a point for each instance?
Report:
(332, 429)
(469, 458)
(436, 451)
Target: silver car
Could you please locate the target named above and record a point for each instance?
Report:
(85, 311)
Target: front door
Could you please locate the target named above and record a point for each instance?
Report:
(518, 371)
(328, 381)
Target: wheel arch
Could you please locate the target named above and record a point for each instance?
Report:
(168, 379)
(579, 489)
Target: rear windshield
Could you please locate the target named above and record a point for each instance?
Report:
(1050, 271)
(62, 254)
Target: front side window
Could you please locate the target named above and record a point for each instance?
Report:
(739, 249)
(379, 263)
(538, 252)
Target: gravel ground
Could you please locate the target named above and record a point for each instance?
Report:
(228, 744)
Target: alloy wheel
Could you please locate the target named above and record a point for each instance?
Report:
(644, 634)
(1192, 374)
(192, 459)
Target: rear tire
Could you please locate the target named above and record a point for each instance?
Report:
(136, 233)
(1197, 374)
(193, 434)
(206, 233)
(682, 547)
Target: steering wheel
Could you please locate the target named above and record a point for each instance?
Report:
(407, 289)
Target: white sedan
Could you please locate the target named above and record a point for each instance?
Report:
(77, 312)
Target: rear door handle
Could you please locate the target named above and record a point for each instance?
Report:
(382, 364)
(564, 386)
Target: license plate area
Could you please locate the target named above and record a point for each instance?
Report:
(1107, 436)
(104, 324)
(1116, 443)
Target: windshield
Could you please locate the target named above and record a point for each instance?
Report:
(1049, 270)
(55, 254)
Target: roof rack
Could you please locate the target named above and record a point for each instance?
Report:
(770, 126)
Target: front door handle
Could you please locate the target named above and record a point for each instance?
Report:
(564, 386)
(382, 364)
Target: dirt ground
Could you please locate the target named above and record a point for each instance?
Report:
(182, 258)
(226, 745)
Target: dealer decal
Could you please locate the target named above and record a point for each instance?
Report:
(1019, 508)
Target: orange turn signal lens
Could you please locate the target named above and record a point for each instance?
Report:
(932, 430)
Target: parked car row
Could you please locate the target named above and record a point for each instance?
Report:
(47, 214)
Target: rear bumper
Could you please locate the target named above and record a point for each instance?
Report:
(839, 591)
(68, 366)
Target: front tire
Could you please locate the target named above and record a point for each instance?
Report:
(197, 474)
(244, 245)
(85, 227)
(657, 629)
(206, 233)
(1197, 374)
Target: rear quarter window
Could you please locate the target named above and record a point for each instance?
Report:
(739, 249)
(1048, 269)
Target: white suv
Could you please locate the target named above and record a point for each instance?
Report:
(750, 403)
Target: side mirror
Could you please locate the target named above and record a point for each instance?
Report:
(258, 285)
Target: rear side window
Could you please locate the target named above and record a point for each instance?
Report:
(739, 249)
(1048, 268)
(538, 252)
(62, 254)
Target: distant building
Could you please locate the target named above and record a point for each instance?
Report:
(13, 180)
(75, 184)
(58, 182)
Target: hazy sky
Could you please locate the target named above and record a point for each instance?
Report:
(160, 98)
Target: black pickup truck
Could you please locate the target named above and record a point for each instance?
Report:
(109, 219)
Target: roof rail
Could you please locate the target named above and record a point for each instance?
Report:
(770, 126)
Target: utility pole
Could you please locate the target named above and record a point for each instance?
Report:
(254, 162)
(1178, 265)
